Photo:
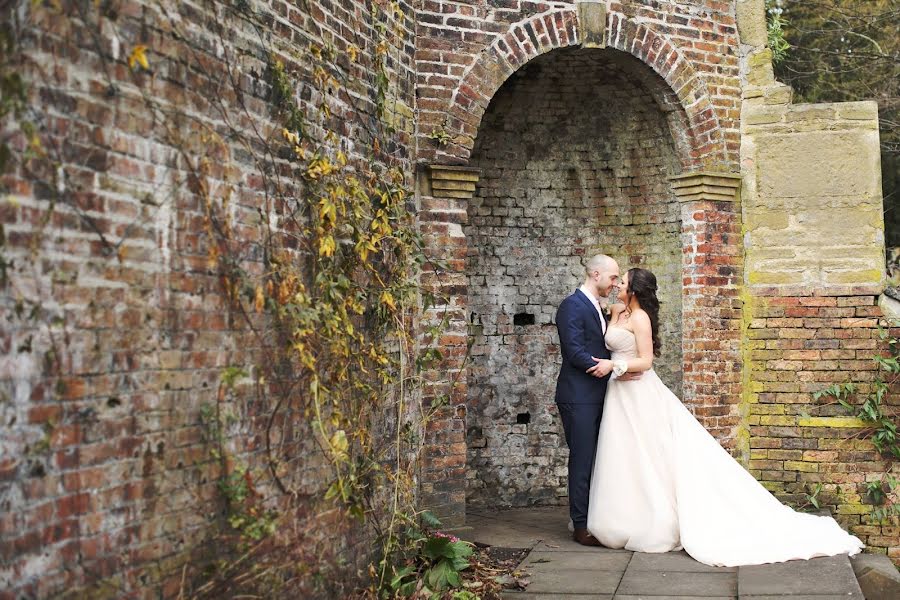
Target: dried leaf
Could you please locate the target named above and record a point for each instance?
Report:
(138, 56)
(260, 300)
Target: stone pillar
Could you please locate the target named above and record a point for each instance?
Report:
(711, 311)
(444, 192)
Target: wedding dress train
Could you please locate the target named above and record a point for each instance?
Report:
(661, 482)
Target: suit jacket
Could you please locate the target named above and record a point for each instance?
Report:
(580, 337)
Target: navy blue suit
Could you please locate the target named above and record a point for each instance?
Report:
(579, 396)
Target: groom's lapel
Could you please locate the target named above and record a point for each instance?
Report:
(587, 302)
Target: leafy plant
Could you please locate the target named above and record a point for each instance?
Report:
(775, 24)
(868, 404)
(434, 563)
(812, 498)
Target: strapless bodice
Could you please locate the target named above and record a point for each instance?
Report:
(621, 343)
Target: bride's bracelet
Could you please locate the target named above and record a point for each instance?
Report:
(620, 367)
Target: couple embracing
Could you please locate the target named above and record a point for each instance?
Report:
(644, 475)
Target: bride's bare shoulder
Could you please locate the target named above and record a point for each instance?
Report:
(639, 315)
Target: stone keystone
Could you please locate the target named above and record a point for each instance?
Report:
(592, 23)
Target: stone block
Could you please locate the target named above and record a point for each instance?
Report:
(592, 23)
(818, 164)
(759, 68)
(877, 576)
(751, 22)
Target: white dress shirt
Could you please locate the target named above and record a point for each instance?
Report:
(596, 303)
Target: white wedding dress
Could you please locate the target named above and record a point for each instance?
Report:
(661, 483)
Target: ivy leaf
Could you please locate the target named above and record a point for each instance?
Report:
(138, 56)
(388, 300)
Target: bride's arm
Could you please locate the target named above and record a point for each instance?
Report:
(643, 336)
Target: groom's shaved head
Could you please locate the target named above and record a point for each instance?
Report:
(598, 262)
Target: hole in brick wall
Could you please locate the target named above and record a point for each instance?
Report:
(113, 402)
(36, 469)
(523, 319)
(523, 418)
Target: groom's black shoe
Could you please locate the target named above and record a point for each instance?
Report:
(584, 537)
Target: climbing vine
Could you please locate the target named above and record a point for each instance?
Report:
(868, 403)
(321, 287)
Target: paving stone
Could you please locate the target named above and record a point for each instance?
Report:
(530, 596)
(823, 576)
(648, 597)
(799, 597)
(541, 561)
(657, 583)
(498, 533)
(672, 561)
(575, 581)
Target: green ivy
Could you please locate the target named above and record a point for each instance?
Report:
(868, 404)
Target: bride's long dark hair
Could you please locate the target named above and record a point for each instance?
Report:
(642, 285)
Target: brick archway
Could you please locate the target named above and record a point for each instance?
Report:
(557, 29)
(710, 226)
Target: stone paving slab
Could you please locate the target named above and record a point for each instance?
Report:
(554, 596)
(678, 583)
(542, 560)
(818, 576)
(673, 561)
(799, 597)
(561, 568)
(646, 597)
(575, 581)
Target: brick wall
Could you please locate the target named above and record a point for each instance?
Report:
(115, 329)
(799, 345)
(574, 153)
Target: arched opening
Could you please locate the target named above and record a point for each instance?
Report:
(575, 150)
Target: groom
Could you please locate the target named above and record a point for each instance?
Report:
(581, 385)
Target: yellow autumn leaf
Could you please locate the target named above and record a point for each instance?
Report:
(260, 300)
(388, 300)
(326, 246)
(138, 56)
(339, 443)
(327, 210)
(353, 53)
(362, 250)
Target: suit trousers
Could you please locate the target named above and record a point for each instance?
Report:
(581, 423)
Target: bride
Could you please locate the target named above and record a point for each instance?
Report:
(661, 482)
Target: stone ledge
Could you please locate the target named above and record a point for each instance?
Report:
(707, 186)
(451, 181)
(810, 291)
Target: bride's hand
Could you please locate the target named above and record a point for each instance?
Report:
(603, 367)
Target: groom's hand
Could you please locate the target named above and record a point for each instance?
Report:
(630, 376)
(601, 369)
